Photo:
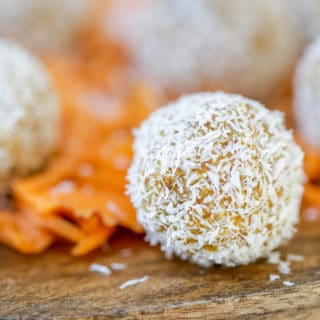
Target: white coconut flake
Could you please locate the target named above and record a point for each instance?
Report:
(118, 266)
(284, 267)
(273, 277)
(274, 257)
(133, 282)
(231, 152)
(288, 283)
(100, 268)
(294, 258)
(307, 95)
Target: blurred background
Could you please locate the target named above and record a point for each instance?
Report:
(178, 46)
(104, 52)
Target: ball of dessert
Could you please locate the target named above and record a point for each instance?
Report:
(41, 25)
(29, 114)
(307, 13)
(307, 95)
(216, 179)
(244, 46)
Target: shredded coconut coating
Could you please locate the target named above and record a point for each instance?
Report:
(42, 25)
(307, 13)
(29, 113)
(307, 95)
(244, 46)
(216, 179)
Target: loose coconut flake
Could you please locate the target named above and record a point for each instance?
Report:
(284, 267)
(288, 283)
(273, 277)
(294, 258)
(133, 282)
(100, 268)
(274, 257)
(118, 266)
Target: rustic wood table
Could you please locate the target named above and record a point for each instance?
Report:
(57, 286)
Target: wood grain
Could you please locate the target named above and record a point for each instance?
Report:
(57, 286)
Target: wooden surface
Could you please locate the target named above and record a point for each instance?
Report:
(57, 286)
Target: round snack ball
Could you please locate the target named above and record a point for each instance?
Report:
(307, 95)
(246, 46)
(29, 114)
(307, 13)
(41, 25)
(216, 179)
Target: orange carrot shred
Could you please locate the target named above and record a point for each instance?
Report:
(93, 241)
(80, 197)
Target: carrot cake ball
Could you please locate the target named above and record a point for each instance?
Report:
(216, 179)
(246, 46)
(41, 25)
(29, 114)
(307, 95)
(307, 13)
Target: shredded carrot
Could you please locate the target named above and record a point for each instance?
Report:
(312, 170)
(80, 196)
(312, 165)
(21, 234)
(93, 241)
(312, 194)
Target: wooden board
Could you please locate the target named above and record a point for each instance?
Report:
(57, 286)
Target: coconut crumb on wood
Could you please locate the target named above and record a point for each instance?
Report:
(118, 266)
(100, 268)
(273, 277)
(294, 258)
(288, 283)
(133, 282)
(274, 257)
(284, 267)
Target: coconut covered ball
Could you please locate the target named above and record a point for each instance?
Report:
(307, 13)
(29, 114)
(216, 179)
(246, 46)
(42, 25)
(307, 95)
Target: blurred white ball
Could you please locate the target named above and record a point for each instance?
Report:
(41, 25)
(307, 95)
(29, 114)
(246, 46)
